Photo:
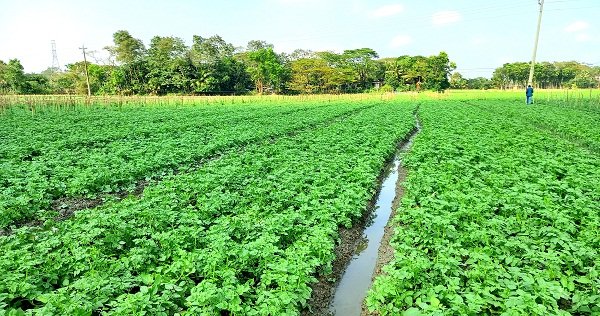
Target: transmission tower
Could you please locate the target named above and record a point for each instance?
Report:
(55, 64)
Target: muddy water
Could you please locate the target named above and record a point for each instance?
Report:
(356, 280)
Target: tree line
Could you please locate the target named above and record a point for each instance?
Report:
(555, 75)
(213, 66)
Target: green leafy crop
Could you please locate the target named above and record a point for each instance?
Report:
(245, 234)
(500, 216)
(84, 153)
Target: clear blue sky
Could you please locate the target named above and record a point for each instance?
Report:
(478, 35)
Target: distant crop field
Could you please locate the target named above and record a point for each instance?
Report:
(234, 205)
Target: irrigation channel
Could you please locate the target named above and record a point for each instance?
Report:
(357, 277)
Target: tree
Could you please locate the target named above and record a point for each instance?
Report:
(14, 79)
(583, 79)
(311, 75)
(567, 71)
(265, 67)
(130, 76)
(216, 70)
(341, 78)
(415, 69)
(402, 73)
(127, 49)
(255, 45)
(500, 77)
(4, 88)
(300, 54)
(36, 84)
(210, 50)
(457, 81)
(479, 83)
(518, 74)
(361, 62)
(168, 65)
(74, 80)
(438, 70)
(393, 73)
(547, 75)
(596, 75)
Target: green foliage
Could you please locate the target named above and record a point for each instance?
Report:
(244, 234)
(12, 77)
(215, 68)
(361, 62)
(417, 72)
(167, 66)
(547, 75)
(500, 215)
(457, 81)
(479, 83)
(267, 69)
(127, 49)
(311, 75)
(585, 79)
(438, 69)
(103, 150)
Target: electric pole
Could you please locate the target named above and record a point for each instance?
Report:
(535, 45)
(87, 76)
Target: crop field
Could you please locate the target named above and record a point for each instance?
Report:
(501, 213)
(235, 208)
(242, 227)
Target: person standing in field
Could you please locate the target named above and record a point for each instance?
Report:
(529, 94)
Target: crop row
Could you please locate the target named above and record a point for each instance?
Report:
(82, 153)
(242, 235)
(576, 124)
(498, 218)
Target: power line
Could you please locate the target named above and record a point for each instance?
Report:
(577, 8)
(488, 12)
(415, 22)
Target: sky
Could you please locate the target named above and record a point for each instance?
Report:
(478, 35)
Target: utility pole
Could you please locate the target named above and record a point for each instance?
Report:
(87, 76)
(537, 37)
